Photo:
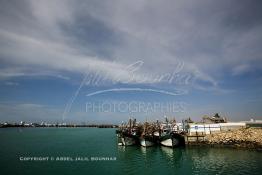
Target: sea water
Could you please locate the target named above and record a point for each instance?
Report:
(95, 151)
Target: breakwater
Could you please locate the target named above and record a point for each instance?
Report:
(241, 138)
(250, 138)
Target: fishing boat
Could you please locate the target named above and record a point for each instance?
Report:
(124, 138)
(147, 137)
(128, 134)
(167, 135)
(128, 141)
(146, 141)
(169, 140)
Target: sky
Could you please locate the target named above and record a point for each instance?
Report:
(88, 61)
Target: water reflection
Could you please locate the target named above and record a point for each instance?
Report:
(223, 160)
(149, 155)
(147, 151)
(173, 156)
(168, 152)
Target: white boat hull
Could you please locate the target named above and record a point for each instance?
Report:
(169, 142)
(128, 141)
(146, 143)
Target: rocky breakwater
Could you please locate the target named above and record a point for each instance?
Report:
(241, 138)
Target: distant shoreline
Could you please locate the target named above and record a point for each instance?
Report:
(60, 126)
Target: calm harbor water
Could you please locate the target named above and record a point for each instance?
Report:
(94, 143)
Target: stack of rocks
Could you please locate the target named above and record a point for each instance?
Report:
(246, 137)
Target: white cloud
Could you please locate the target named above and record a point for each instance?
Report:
(57, 56)
(240, 69)
(160, 34)
(15, 72)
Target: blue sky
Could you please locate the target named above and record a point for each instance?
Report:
(204, 56)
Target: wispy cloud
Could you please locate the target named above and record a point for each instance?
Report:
(57, 36)
(16, 72)
(10, 83)
(241, 69)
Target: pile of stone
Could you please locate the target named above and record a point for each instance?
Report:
(246, 137)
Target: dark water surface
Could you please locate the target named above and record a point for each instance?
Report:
(17, 143)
